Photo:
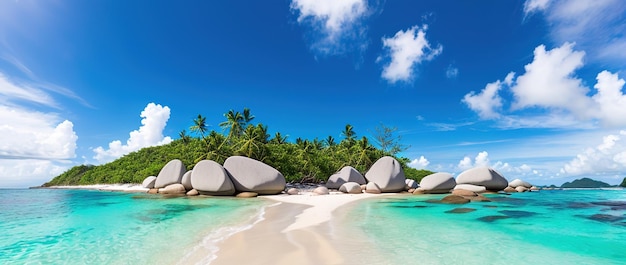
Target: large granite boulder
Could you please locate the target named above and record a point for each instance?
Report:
(518, 182)
(248, 174)
(440, 182)
(175, 188)
(186, 180)
(410, 184)
(346, 174)
(470, 187)
(171, 173)
(483, 176)
(371, 187)
(149, 182)
(387, 173)
(210, 178)
(351, 187)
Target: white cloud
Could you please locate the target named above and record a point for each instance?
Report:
(405, 51)
(31, 134)
(607, 158)
(488, 103)
(13, 93)
(482, 159)
(452, 72)
(549, 82)
(550, 95)
(338, 22)
(531, 6)
(465, 163)
(150, 133)
(419, 163)
(22, 173)
(595, 25)
(610, 99)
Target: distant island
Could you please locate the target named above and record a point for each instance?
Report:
(585, 183)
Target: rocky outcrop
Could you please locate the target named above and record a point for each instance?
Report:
(177, 189)
(210, 178)
(350, 187)
(437, 183)
(470, 187)
(373, 188)
(149, 182)
(171, 173)
(509, 189)
(346, 174)
(387, 173)
(247, 194)
(186, 180)
(455, 199)
(521, 189)
(410, 184)
(248, 174)
(518, 182)
(483, 176)
(193, 192)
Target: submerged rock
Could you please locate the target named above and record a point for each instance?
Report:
(455, 199)
(248, 174)
(466, 193)
(461, 210)
(171, 173)
(606, 218)
(517, 214)
(492, 218)
(387, 173)
(346, 174)
(173, 189)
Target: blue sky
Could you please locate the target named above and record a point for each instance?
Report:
(532, 88)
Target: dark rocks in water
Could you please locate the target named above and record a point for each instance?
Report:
(490, 206)
(454, 199)
(492, 218)
(579, 205)
(517, 214)
(461, 210)
(605, 218)
(610, 203)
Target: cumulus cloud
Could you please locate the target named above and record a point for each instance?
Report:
(32, 134)
(419, 163)
(550, 84)
(482, 160)
(595, 25)
(150, 133)
(404, 51)
(487, 103)
(336, 26)
(20, 173)
(607, 158)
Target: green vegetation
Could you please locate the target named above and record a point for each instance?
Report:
(300, 161)
(623, 183)
(585, 183)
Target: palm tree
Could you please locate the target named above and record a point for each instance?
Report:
(251, 144)
(233, 123)
(199, 125)
(279, 139)
(183, 136)
(349, 135)
(364, 151)
(330, 141)
(247, 118)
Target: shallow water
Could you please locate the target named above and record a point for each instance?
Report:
(94, 227)
(547, 227)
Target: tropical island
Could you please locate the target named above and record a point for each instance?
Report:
(303, 160)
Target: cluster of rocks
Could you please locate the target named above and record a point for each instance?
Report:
(239, 175)
(518, 185)
(385, 175)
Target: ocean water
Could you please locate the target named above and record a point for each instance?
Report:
(50, 226)
(547, 227)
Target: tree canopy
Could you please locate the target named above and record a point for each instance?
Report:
(301, 161)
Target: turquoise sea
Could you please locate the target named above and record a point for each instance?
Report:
(47, 226)
(53, 226)
(547, 227)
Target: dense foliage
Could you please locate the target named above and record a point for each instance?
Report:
(623, 183)
(585, 183)
(300, 161)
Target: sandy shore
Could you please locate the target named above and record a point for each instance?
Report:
(296, 231)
